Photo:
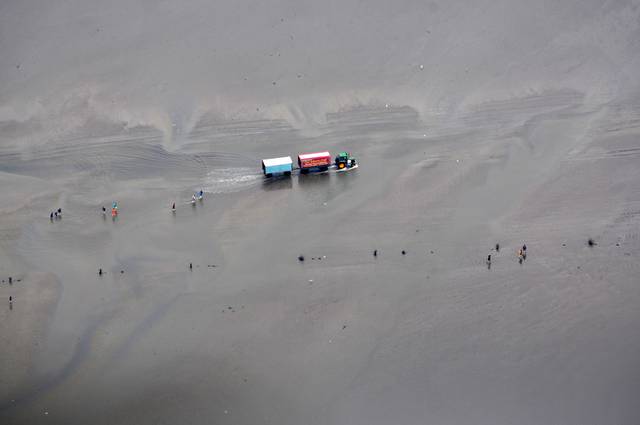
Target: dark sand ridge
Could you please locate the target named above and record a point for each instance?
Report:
(522, 126)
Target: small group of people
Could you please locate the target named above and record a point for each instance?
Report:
(197, 196)
(522, 254)
(114, 207)
(114, 210)
(57, 214)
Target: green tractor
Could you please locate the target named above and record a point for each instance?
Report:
(344, 160)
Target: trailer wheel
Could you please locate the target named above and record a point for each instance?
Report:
(268, 175)
(287, 173)
(304, 171)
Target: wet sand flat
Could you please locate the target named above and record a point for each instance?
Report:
(346, 336)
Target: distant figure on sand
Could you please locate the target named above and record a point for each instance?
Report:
(200, 195)
(115, 205)
(497, 247)
(104, 211)
(173, 207)
(193, 199)
(51, 216)
(520, 255)
(60, 212)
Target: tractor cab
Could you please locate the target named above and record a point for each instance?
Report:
(343, 160)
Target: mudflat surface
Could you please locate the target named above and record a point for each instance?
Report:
(463, 142)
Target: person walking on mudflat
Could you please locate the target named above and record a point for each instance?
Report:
(520, 255)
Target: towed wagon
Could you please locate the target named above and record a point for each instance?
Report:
(318, 161)
(282, 165)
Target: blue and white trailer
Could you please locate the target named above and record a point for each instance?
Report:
(272, 166)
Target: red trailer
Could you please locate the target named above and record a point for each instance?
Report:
(319, 161)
